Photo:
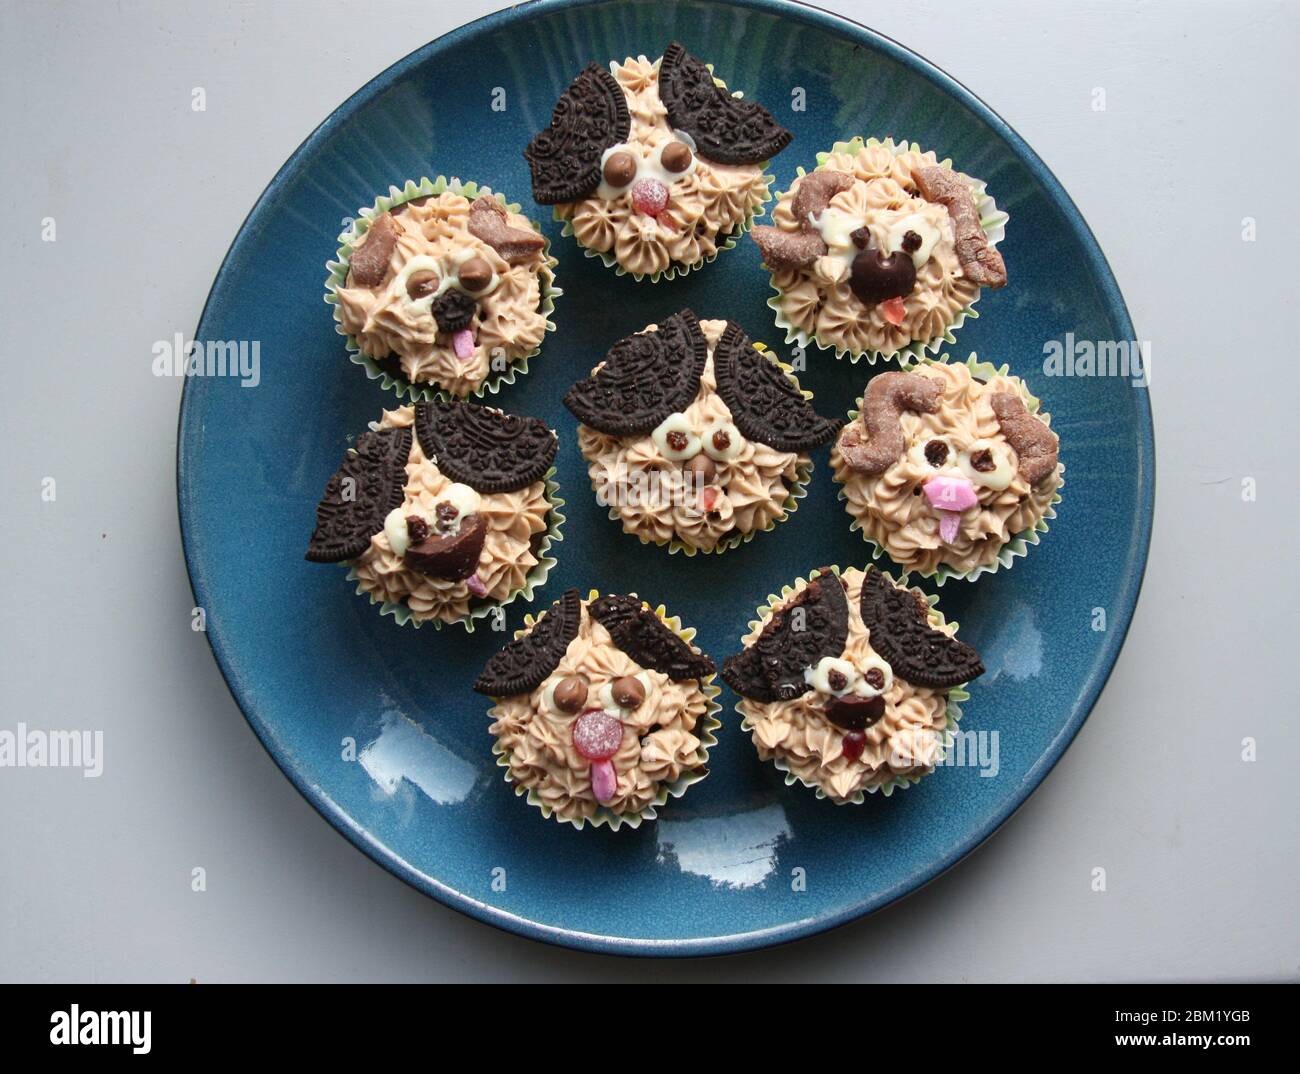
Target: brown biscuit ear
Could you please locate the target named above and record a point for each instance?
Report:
(1035, 444)
(900, 631)
(764, 403)
(645, 377)
(359, 495)
(591, 116)
(488, 221)
(813, 625)
(482, 447)
(525, 662)
(725, 129)
(645, 637)
(876, 442)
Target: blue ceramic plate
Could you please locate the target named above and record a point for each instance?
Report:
(314, 666)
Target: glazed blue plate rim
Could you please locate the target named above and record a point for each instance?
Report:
(1136, 559)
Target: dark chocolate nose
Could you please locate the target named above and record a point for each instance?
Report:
(453, 310)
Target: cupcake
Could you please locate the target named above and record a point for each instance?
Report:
(443, 511)
(849, 683)
(442, 290)
(655, 167)
(881, 249)
(694, 437)
(950, 468)
(602, 710)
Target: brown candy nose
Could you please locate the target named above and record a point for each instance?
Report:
(855, 713)
(701, 469)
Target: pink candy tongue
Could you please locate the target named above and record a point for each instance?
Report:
(476, 586)
(604, 782)
(949, 524)
(462, 343)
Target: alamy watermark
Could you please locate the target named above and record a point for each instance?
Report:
(239, 358)
(1126, 358)
(35, 748)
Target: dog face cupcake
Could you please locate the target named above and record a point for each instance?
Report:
(949, 468)
(655, 166)
(448, 290)
(849, 683)
(694, 436)
(881, 248)
(603, 709)
(442, 511)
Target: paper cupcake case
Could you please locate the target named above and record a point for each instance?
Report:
(338, 271)
(705, 730)
(992, 219)
(953, 712)
(534, 580)
(798, 490)
(1020, 542)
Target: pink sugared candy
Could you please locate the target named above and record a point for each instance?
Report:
(949, 526)
(462, 343)
(597, 735)
(649, 196)
(604, 780)
(475, 585)
(950, 493)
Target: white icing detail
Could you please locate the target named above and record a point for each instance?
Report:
(399, 539)
(999, 477)
(645, 169)
(676, 423)
(950, 464)
(928, 233)
(819, 677)
(548, 698)
(731, 450)
(863, 688)
(464, 499)
(448, 270)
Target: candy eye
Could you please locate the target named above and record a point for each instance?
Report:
(422, 284)
(475, 275)
(624, 694)
(913, 234)
(987, 463)
(676, 157)
(722, 441)
(456, 502)
(832, 676)
(676, 439)
(568, 695)
(875, 677)
(619, 167)
(938, 451)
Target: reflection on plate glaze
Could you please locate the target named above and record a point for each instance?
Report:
(1016, 650)
(734, 852)
(404, 751)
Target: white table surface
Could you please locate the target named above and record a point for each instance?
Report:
(1199, 846)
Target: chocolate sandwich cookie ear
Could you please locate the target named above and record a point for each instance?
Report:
(359, 496)
(644, 378)
(486, 449)
(763, 402)
(814, 625)
(726, 129)
(901, 633)
(591, 116)
(647, 640)
(525, 662)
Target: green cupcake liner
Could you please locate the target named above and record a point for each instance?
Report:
(338, 271)
(992, 219)
(534, 580)
(797, 491)
(898, 782)
(1019, 543)
(705, 730)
